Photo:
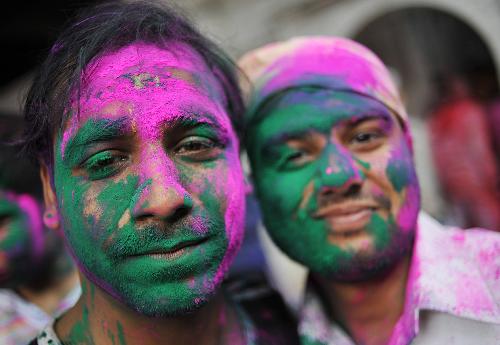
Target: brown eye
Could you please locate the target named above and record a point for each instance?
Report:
(366, 140)
(296, 158)
(104, 164)
(194, 144)
(198, 148)
(365, 137)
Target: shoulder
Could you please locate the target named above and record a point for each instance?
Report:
(463, 251)
(273, 321)
(483, 247)
(475, 244)
(443, 328)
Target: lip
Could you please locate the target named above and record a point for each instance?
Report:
(347, 218)
(172, 252)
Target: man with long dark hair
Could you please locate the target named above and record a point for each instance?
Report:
(134, 118)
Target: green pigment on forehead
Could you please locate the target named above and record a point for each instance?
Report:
(143, 80)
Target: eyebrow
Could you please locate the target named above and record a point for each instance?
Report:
(96, 131)
(281, 138)
(195, 118)
(296, 134)
(368, 116)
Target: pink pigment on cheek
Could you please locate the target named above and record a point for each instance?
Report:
(199, 225)
(409, 210)
(234, 217)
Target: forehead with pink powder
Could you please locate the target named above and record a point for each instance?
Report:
(329, 62)
(134, 80)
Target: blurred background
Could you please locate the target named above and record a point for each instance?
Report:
(444, 55)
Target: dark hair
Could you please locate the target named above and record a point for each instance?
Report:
(103, 28)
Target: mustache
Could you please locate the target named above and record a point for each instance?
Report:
(157, 235)
(322, 201)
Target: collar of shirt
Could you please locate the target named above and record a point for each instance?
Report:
(452, 271)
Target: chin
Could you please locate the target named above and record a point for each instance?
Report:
(376, 265)
(173, 309)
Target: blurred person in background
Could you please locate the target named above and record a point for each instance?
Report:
(38, 279)
(494, 115)
(464, 157)
(331, 158)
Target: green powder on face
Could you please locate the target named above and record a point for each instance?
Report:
(364, 164)
(399, 171)
(378, 226)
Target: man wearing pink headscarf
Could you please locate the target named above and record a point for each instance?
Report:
(331, 157)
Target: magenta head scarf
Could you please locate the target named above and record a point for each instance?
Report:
(331, 62)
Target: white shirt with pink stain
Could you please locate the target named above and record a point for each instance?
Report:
(452, 298)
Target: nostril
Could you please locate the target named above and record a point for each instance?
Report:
(175, 214)
(179, 213)
(335, 194)
(353, 190)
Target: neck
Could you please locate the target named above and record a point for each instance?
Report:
(99, 319)
(49, 299)
(368, 310)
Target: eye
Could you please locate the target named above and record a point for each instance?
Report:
(198, 148)
(295, 159)
(367, 140)
(365, 137)
(104, 164)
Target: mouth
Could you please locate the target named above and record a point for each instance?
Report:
(346, 219)
(172, 252)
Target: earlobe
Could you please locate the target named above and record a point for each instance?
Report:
(51, 214)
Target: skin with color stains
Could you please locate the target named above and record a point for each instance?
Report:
(20, 235)
(333, 171)
(148, 180)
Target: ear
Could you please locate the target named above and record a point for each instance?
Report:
(51, 217)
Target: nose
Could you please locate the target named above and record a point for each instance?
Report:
(161, 194)
(340, 174)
